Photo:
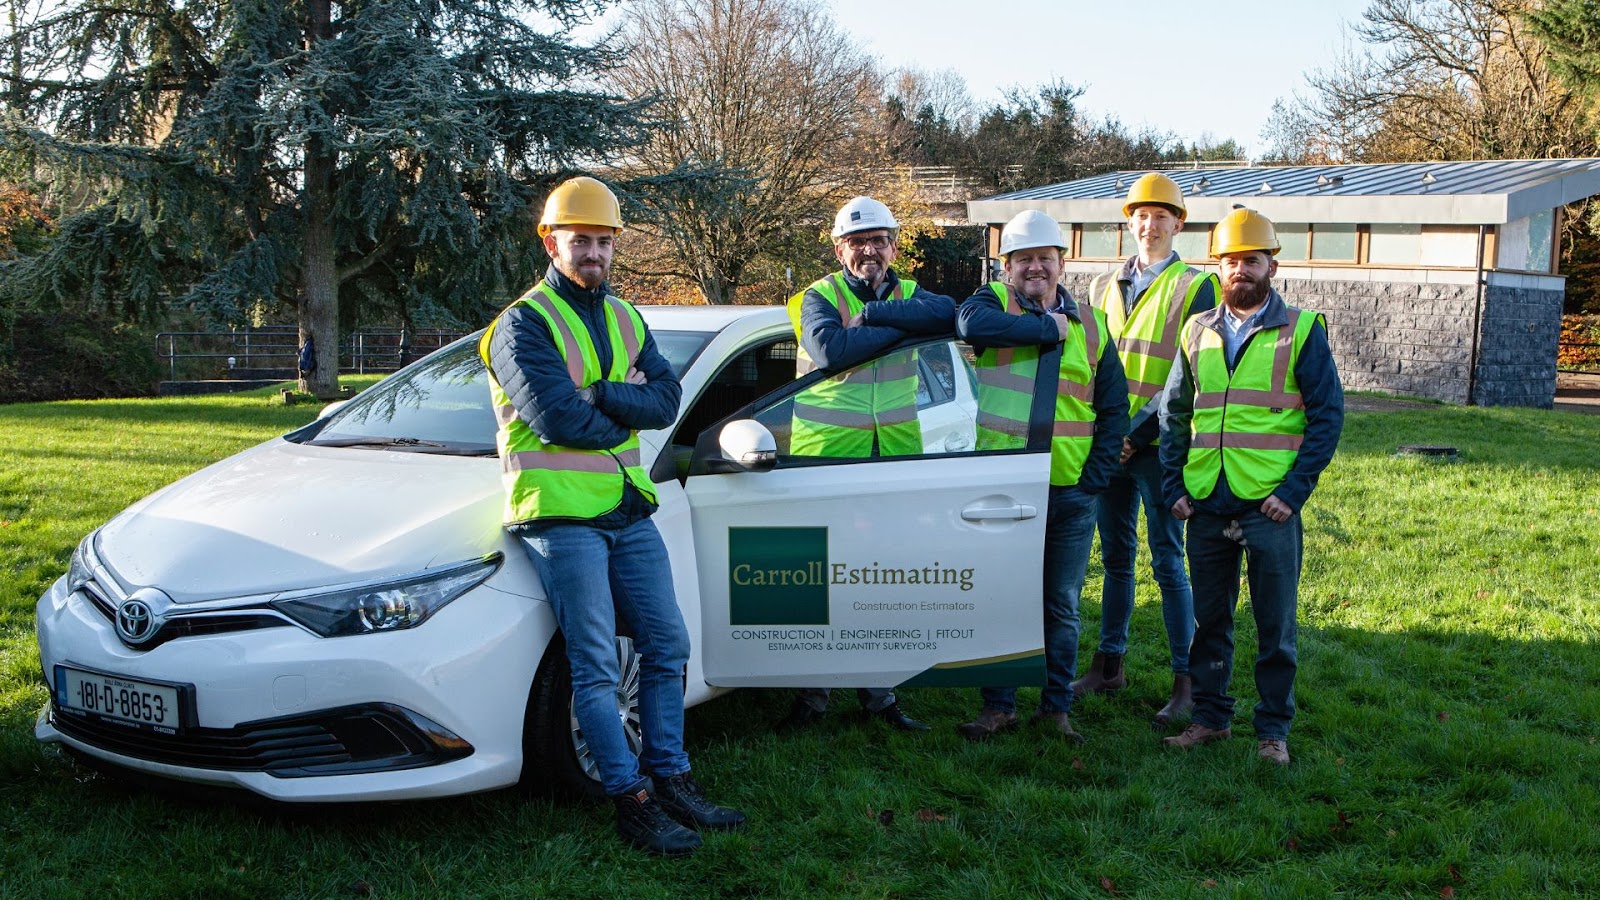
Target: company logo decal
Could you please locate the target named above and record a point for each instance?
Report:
(778, 576)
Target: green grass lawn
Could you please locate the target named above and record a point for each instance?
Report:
(1447, 743)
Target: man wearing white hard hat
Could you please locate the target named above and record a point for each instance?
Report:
(841, 321)
(1146, 302)
(1027, 320)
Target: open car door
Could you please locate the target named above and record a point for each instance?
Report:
(829, 560)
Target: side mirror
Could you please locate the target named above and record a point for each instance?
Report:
(748, 446)
(330, 409)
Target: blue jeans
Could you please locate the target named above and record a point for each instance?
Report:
(591, 575)
(1068, 535)
(1140, 482)
(1272, 552)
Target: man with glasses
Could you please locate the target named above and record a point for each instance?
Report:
(841, 321)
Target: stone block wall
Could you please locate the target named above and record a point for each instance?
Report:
(1517, 353)
(1409, 332)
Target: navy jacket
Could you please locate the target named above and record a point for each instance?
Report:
(983, 322)
(1145, 426)
(1319, 388)
(526, 361)
(833, 346)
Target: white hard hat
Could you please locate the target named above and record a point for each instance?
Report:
(1029, 229)
(862, 214)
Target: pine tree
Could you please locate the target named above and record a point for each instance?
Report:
(212, 156)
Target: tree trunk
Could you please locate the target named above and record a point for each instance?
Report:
(717, 290)
(319, 297)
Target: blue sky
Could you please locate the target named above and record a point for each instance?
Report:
(1205, 66)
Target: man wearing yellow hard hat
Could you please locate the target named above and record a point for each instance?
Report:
(1016, 326)
(574, 375)
(1146, 303)
(1253, 415)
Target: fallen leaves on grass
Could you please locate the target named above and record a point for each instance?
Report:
(1209, 882)
(1109, 886)
(1292, 844)
(1447, 892)
(1342, 824)
(1077, 763)
(885, 817)
(927, 815)
(1443, 716)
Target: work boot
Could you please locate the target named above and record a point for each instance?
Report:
(895, 717)
(801, 715)
(1197, 734)
(1060, 722)
(685, 800)
(1104, 676)
(644, 823)
(1273, 751)
(989, 722)
(1179, 706)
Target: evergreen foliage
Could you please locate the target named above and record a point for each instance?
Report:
(369, 153)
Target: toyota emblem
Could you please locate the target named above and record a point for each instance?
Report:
(141, 615)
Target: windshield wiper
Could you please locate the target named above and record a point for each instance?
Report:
(376, 442)
(408, 444)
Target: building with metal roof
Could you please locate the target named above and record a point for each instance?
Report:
(1439, 279)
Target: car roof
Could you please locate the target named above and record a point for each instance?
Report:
(710, 318)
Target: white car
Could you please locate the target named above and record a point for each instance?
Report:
(337, 614)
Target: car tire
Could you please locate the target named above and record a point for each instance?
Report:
(555, 756)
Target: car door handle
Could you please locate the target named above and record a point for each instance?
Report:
(990, 513)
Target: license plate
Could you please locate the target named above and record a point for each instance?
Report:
(122, 699)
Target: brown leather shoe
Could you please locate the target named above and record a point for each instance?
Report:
(1060, 722)
(989, 722)
(1273, 751)
(1104, 676)
(1179, 706)
(1197, 734)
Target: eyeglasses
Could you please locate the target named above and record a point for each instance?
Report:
(876, 242)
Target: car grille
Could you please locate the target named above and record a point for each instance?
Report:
(180, 624)
(370, 738)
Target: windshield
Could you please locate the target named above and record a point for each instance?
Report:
(441, 403)
(681, 347)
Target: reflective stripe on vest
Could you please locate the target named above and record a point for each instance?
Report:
(545, 480)
(1248, 423)
(1147, 340)
(843, 415)
(1005, 392)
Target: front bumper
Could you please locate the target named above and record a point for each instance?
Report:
(427, 712)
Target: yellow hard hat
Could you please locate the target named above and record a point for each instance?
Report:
(1156, 188)
(580, 201)
(1243, 230)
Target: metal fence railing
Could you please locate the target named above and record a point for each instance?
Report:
(272, 351)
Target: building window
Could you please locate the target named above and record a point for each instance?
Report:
(1194, 241)
(1295, 239)
(1394, 245)
(1332, 242)
(1100, 240)
(1525, 242)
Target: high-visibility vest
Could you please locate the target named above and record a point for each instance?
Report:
(1005, 391)
(840, 416)
(1147, 339)
(549, 481)
(1248, 423)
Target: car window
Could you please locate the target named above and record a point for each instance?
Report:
(907, 403)
(681, 347)
(442, 399)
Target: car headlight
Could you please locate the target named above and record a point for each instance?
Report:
(388, 605)
(81, 570)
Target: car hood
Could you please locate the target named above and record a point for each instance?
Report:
(283, 516)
